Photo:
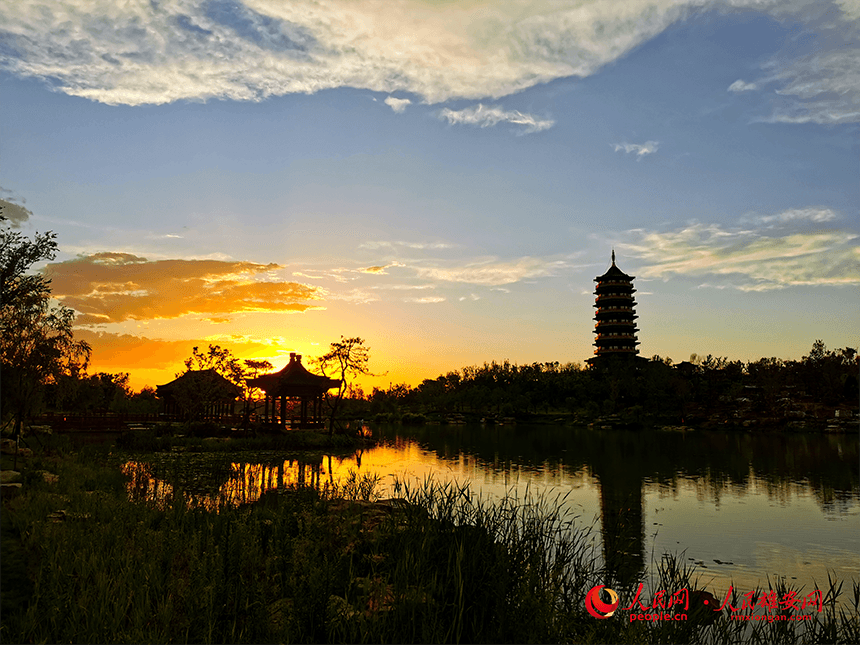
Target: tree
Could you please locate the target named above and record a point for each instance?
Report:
(17, 256)
(198, 391)
(36, 346)
(221, 360)
(345, 359)
(253, 368)
(36, 341)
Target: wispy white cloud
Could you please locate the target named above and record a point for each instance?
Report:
(383, 244)
(406, 287)
(639, 149)
(354, 296)
(814, 215)
(820, 84)
(486, 116)
(145, 52)
(742, 86)
(492, 272)
(426, 300)
(398, 105)
(820, 88)
(752, 259)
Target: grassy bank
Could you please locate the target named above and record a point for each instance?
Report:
(83, 563)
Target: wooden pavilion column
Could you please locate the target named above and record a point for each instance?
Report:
(283, 410)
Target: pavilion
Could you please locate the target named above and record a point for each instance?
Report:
(294, 383)
(204, 392)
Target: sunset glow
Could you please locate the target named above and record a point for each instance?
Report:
(443, 180)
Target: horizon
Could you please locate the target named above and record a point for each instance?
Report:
(442, 181)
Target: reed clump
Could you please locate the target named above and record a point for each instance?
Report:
(334, 564)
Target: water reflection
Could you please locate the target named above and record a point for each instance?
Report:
(742, 506)
(211, 482)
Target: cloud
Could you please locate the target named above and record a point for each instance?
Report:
(749, 259)
(486, 116)
(381, 244)
(380, 269)
(398, 105)
(426, 300)
(151, 53)
(154, 360)
(113, 287)
(816, 79)
(494, 273)
(742, 86)
(647, 148)
(823, 87)
(355, 296)
(406, 287)
(814, 215)
(16, 213)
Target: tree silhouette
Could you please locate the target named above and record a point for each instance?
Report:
(36, 340)
(346, 359)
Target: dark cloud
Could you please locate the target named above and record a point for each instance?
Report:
(17, 214)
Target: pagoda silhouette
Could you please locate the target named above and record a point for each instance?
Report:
(615, 318)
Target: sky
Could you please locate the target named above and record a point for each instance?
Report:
(442, 179)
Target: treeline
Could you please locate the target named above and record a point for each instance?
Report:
(654, 389)
(96, 393)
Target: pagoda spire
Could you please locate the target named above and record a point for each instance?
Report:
(613, 256)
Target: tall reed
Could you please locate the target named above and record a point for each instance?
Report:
(438, 564)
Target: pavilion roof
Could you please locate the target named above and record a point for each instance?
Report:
(212, 381)
(293, 380)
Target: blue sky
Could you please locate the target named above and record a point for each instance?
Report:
(442, 179)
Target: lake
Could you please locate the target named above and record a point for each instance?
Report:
(743, 507)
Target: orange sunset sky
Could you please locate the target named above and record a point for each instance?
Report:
(442, 179)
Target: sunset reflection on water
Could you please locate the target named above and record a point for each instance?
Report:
(744, 508)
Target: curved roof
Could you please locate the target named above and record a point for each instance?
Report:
(293, 380)
(613, 273)
(215, 385)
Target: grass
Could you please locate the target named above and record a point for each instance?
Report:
(82, 562)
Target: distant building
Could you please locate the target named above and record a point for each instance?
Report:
(615, 317)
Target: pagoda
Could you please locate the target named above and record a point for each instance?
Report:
(615, 318)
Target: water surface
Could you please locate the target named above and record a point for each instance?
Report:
(743, 507)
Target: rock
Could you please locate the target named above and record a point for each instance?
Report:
(8, 491)
(279, 614)
(49, 478)
(7, 447)
(64, 516)
(10, 476)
